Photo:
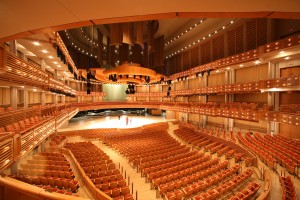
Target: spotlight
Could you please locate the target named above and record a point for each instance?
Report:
(208, 72)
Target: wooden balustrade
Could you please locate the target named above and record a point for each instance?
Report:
(18, 71)
(83, 93)
(16, 144)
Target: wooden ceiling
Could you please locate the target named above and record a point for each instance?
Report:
(20, 18)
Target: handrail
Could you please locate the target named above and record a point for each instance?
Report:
(266, 193)
(97, 194)
(15, 189)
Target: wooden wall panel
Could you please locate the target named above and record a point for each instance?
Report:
(290, 131)
(4, 96)
(142, 89)
(260, 125)
(20, 96)
(216, 79)
(34, 97)
(193, 117)
(249, 74)
(194, 83)
(289, 71)
(141, 98)
(194, 99)
(257, 98)
(166, 87)
(154, 99)
(87, 99)
(180, 85)
(155, 88)
(289, 98)
(49, 98)
(216, 98)
(73, 85)
(218, 120)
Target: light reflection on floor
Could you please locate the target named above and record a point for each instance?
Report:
(91, 122)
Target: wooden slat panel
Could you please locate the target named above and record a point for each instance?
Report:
(139, 34)
(115, 34)
(206, 52)
(262, 31)
(251, 34)
(194, 57)
(127, 29)
(239, 39)
(218, 47)
(186, 60)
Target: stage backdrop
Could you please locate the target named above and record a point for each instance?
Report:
(114, 92)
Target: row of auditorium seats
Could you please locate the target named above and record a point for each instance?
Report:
(247, 193)
(105, 176)
(23, 125)
(198, 141)
(6, 109)
(50, 171)
(173, 175)
(288, 188)
(277, 153)
(267, 159)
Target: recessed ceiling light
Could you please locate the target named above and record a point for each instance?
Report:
(50, 57)
(287, 58)
(241, 65)
(228, 68)
(257, 62)
(44, 51)
(58, 66)
(36, 43)
(281, 52)
(55, 62)
(217, 71)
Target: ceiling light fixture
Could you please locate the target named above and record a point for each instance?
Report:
(36, 43)
(44, 51)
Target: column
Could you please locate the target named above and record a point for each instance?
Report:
(13, 47)
(25, 93)
(78, 89)
(63, 99)
(43, 98)
(55, 98)
(204, 100)
(13, 97)
(273, 98)
(43, 146)
(43, 65)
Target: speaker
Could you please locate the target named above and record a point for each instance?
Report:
(88, 84)
(88, 91)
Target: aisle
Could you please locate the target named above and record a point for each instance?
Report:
(144, 192)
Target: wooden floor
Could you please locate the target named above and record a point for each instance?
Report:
(139, 185)
(91, 122)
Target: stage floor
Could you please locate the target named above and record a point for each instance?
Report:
(92, 122)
